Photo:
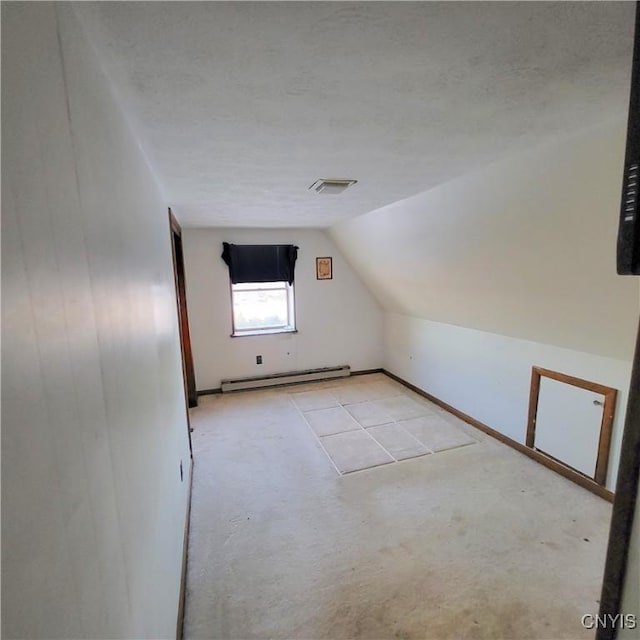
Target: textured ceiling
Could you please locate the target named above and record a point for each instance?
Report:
(241, 106)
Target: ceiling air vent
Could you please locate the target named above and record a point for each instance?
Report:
(331, 186)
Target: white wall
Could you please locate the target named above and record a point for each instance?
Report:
(93, 418)
(502, 269)
(487, 375)
(338, 321)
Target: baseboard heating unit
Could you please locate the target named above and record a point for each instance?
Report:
(290, 377)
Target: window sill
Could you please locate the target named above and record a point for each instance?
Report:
(263, 332)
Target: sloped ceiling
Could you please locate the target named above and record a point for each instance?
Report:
(241, 106)
(524, 247)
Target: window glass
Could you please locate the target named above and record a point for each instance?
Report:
(264, 306)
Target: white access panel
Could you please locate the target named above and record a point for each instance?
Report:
(568, 424)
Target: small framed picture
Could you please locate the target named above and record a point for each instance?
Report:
(324, 269)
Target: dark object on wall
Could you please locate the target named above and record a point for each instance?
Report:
(628, 260)
(260, 262)
(324, 269)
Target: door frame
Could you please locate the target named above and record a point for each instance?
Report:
(606, 426)
(188, 373)
(624, 506)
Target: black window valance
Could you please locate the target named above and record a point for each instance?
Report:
(260, 262)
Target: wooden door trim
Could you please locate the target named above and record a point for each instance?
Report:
(608, 413)
(624, 505)
(183, 316)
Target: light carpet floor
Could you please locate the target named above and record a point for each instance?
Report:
(472, 542)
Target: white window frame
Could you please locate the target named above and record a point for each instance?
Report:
(289, 327)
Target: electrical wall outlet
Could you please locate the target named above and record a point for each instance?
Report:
(258, 359)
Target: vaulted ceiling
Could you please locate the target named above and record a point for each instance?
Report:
(241, 106)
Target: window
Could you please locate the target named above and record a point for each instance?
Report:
(262, 307)
(261, 287)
